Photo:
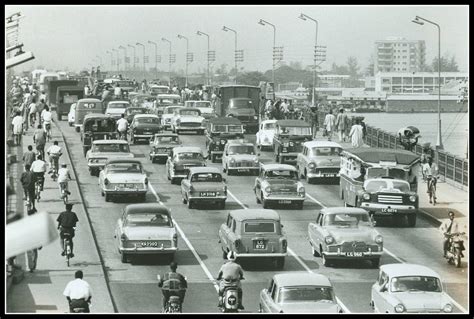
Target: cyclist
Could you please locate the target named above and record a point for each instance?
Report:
(63, 177)
(122, 127)
(28, 182)
(39, 138)
(38, 167)
(173, 284)
(54, 152)
(448, 227)
(66, 222)
(46, 118)
(430, 170)
(78, 293)
(32, 113)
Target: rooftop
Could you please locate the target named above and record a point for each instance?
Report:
(244, 214)
(408, 270)
(301, 279)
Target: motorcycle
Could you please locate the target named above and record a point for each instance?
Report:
(230, 299)
(455, 249)
(174, 304)
(79, 306)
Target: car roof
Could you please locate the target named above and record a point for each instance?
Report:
(166, 134)
(268, 121)
(301, 278)
(137, 116)
(97, 116)
(205, 169)
(311, 144)
(260, 213)
(293, 123)
(278, 167)
(375, 155)
(188, 109)
(182, 149)
(225, 120)
(408, 270)
(337, 210)
(88, 100)
(109, 142)
(119, 101)
(147, 208)
(123, 160)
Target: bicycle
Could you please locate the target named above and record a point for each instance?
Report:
(67, 246)
(38, 190)
(432, 181)
(64, 192)
(123, 135)
(47, 127)
(55, 162)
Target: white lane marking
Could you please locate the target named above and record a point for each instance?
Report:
(201, 263)
(301, 262)
(395, 257)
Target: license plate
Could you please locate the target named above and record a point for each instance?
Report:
(147, 133)
(284, 202)
(389, 210)
(242, 170)
(328, 175)
(149, 244)
(208, 194)
(354, 254)
(260, 244)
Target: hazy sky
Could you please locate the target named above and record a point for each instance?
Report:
(72, 36)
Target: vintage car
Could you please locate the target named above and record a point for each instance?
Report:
(116, 108)
(162, 145)
(158, 89)
(299, 292)
(84, 107)
(168, 113)
(409, 288)
(219, 131)
(144, 127)
(71, 114)
(146, 228)
(289, 138)
(204, 184)
(343, 233)
(240, 156)
(188, 119)
(207, 112)
(130, 112)
(319, 160)
(181, 159)
(164, 100)
(97, 126)
(265, 134)
(123, 177)
(142, 100)
(103, 150)
(279, 184)
(254, 233)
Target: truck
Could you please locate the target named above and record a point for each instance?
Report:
(65, 96)
(241, 102)
(53, 88)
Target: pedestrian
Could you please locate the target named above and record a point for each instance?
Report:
(29, 156)
(329, 124)
(117, 90)
(32, 113)
(342, 121)
(40, 107)
(277, 110)
(39, 138)
(17, 128)
(357, 134)
(87, 90)
(28, 180)
(98, 72)
(314, 121)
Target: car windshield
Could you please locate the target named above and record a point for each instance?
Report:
(159, 90)
(415, 283)
(241, 149)
(289, 130)
(380, 185)
(190, 156)
(124, 168)
(111, 148)
(305, 294)
(148, 120)
(350, 220)
(170, 110)
(283, 174)
(222, 128)
(189, 112)
(167, 140)
(137, 111)
(206, 177)
(259, 227)
(326, 151)
(240, 104)
(269, 126)
(148, 219)
(117, 105)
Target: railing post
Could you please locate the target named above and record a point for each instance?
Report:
(462, 173)
(454, 168)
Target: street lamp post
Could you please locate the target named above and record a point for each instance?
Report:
(118, 62)
(235, 50)
(169, 62)
(263, 22)
(156, 56)
(124, 56)
(134, 56)
(208, 56)
(305, 18)
(187, 52)
(144, 68)
(419, 20)
(111, 59)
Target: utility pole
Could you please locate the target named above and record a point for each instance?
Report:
(189, 56)
(238, 54)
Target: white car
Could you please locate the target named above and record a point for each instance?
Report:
(116, 108)
(240, 156)
(189, 120)
(319, 160)
(409, 288)
(71, 114)
(265, 134)
(168, 113)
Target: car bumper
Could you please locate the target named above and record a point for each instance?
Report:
(184, 128)
(342, 255)
(392, 210)
(142, 136)
(244, 255)
(207, 199)
(148, 250)
(244, 169)
(153, 155)
(126, 192)
(278, 198)
(173, 175)
(96, 166)
(323, 174)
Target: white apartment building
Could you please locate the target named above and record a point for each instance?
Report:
(396, 54)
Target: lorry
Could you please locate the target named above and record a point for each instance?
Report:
(241, 102)
(65, 96)
(53, 89)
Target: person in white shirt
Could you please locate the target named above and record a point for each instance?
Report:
(448, 227)
(46, 118)
(122, 125)
(38, 168)
(17, 126)
(54, 152)
(32, 113)
(117, 90)
(329, 124)
(78, 293)
(63, 177)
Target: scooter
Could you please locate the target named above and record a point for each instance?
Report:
(230, 299)
(174, 302)
(455, 249)
(79, 305)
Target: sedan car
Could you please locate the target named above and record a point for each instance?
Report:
(162, 145)
(146, 229)
(319, 159)
(254, 233)
(409, 288)
(132, 111)
(181, 159)
(116, 108)
(188, 120)
(343, 233)
(103, 150)
(299, 292)
(123, 177)
(204, 184)
(71, 114)
(265, 134)
(168, 113)
(279, 184)
(240, 156)
(144, 127)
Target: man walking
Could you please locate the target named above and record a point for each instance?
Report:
(28, 180)
(342, 121)
(329, 123)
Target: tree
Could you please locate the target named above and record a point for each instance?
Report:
(446, 64)
(251, 78)
(296, 65)
(453, 65)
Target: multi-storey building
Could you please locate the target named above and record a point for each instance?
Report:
(399, 55)
(414, 82)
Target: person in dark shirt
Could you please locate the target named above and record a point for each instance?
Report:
(66, 222)
(173, 284)
(28, 180)
(29, 156)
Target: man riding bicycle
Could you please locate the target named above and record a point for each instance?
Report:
(173, 284)
(122, 127)
(54, 152)
(78, 293)
(66, 222)
(430, 171)
(47, 118)
(63, 177)
(38, 168)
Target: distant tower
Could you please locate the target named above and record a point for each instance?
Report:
(396, 54)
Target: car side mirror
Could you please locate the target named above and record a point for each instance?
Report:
(224, 180)
(383, 288)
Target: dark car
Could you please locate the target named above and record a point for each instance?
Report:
(289, 138)
(219, 131)
(132, 111)
(144, 127)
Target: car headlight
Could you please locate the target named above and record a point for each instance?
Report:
(268, 189)
(232, 160)
(301, 191)
(255, 117)
(412, 198)
(292, 144)
(311, 165)
(223, 142)
(399, 308)
(329, 240)
(366, 196)
(378, 239)
(286, 144)
(448, 308)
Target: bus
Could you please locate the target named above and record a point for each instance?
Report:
(45, 78)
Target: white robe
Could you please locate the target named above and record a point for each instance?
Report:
(357, 134)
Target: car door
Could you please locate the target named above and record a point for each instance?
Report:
(224, 233)
(258, 185)
(312, 231)
(265, 297)
(380, 297)
(274, 307)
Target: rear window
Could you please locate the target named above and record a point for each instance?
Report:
(326, 151)
(206, 177)
(189, 112)
(148, 120)
(148, 220)
(117, 105)
(259, 227)
(110, 148)
(88, 105)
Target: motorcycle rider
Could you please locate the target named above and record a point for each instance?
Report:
(448, 227)
(78, 293)
(230, 274)
(173, 284)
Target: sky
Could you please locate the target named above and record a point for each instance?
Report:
(71, 37)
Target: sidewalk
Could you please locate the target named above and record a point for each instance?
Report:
(42, 290)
